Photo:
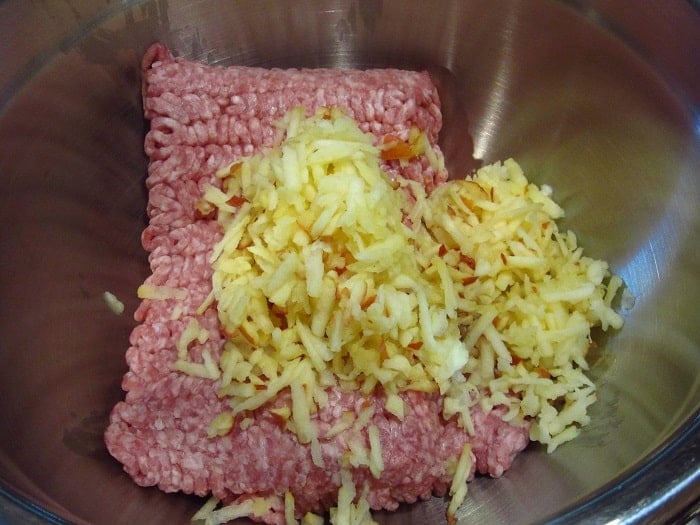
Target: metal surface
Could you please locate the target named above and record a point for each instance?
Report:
(599, 100)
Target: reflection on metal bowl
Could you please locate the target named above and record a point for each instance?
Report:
(598, 99)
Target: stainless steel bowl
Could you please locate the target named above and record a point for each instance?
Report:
(598, 99)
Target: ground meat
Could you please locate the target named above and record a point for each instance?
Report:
(203, 118)
(162, 440)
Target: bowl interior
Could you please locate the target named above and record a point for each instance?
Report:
(535, 80)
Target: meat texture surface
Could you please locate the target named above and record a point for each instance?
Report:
(202, 119)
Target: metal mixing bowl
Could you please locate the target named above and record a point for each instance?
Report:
(599, 99)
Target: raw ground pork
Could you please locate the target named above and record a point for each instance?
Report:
(203, 118)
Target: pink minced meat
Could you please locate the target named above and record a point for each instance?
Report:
(203, 118)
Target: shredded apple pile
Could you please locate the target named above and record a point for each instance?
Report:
(327, 276)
